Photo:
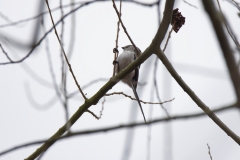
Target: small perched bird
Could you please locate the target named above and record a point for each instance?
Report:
(127, 57)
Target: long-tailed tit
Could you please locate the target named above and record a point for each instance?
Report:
(128, 56)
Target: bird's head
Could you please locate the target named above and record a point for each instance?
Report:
(131, 48)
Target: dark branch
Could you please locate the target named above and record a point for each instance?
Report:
(113, 81)
(132, 125)
(224, 44)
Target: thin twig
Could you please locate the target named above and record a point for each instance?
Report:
(118, 24)
(45, 35)
(118, 127)
(228, 30)
(104, 100)
(100, 115)
(110, 94)
(36, 16)
(149, 129)
(236, 4)
(63, 77)
(71, 4)
(5, 18)
(156, 42)
(169, 36)
(116, 46)
(190, 4)
(94, 115)
(209, 152)
(64, 70)
(156, 86)
(57, 23)
(72, 32)
(69, 65)
(61, 55)
(49, 59)
(226, 48)
(149, 132)
(124, 28)
(158, 12)
(6, 54)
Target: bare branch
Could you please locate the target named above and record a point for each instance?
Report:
(209, 152)
(6, 54)
(156, 86)
(100, 115)
(113, 128)
(169, 36)
(49, 59)
(57, 23)
(69, 65)
(227, 27)
(94, 115)
(5, 17)
(72, 31)
(195, 98)
(177, 21)
(115, 50)
(82, 4)
(190, 4)
(236, 4)
(124, 28)
(64, 68)
(224, 44)
(114, 80)
(35, 17)
(139, 100)
(44, 36)
(101, 112)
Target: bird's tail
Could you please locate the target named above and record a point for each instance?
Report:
(136, 96)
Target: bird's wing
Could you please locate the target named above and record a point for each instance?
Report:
(136, 75)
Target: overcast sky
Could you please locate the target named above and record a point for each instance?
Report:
(30, 110)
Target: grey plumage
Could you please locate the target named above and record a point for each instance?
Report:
(127, 57)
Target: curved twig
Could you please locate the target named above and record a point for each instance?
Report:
(109, 94)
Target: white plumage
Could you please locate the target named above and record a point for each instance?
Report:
(127, 57)
(124, 59)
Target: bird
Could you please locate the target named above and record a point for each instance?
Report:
(128, 55)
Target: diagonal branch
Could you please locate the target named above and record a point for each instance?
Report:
(118, 127)
(89, 102)
(195, 98)
(6, 54)
(224, 44)
(114, 80)
(69, 65)
(228, 28)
